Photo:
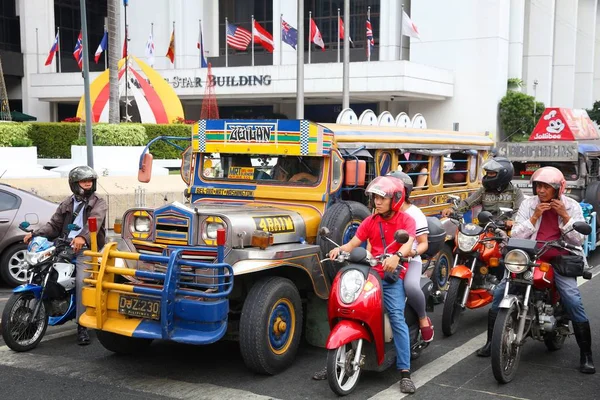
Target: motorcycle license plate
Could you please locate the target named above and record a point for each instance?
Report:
(139, 307)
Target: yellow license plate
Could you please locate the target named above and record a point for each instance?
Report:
(140, 307)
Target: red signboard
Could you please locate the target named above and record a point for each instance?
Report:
(564, 124)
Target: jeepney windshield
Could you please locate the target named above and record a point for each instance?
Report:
(296, 170)
(524, 170)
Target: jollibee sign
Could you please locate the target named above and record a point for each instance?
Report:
(564, 124)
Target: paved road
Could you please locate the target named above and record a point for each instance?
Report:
(448, 369)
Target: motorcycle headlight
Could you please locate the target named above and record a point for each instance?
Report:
(33, 258)
(466, 242)
(212, 228)
(516, 261)
(351, 284)
(141, 224)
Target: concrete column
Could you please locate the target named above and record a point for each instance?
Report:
(389, 31)
(584, 66)
(289, 9)
(596, 93)
(515, 39)
(537, 58)
(563, 64)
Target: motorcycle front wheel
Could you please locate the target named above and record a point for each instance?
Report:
(506, 353)
(19, 331)
(341, 375)
(453, 305)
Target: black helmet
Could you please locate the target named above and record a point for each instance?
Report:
(408, 183)
(504, 173)
(83, 173)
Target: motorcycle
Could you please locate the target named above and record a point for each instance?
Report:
(472, 282)
(531, 304)
(49, 296)
(361, 334)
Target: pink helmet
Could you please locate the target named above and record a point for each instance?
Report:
(550, 176)
(388, 187)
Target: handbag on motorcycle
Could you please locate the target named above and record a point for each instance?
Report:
(568, 265)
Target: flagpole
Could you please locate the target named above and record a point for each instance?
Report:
(226, 46)
(401, 28)
(174, 48)
(280, 39)
(37, 50)
(106, 50)
(338, 35)
(58, 50)
(253, 40)
(86, 86)
(309, 46)
(200, 38)
(300, 63)
(346, 68)
(368, 41)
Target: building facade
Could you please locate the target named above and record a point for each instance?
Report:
(455, 72)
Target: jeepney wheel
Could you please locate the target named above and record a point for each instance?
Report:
(592, 196)
(441, 272)
(271, 325)
(122, 344)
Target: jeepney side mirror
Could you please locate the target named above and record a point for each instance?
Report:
(186, 165)
(145, 171)
(355, 172)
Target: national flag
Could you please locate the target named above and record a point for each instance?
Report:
(200, 45)
(53, 50)
(408, 27)
(171, 51)
(315, 35)
(78, 52)
(150, 50)
(370, 39)
(238, 38)
(101, 47)
(262, 37)
(125, 44)
(289, 35)
(341, 29)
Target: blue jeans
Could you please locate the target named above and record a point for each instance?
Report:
(570, 297)
(394, 300)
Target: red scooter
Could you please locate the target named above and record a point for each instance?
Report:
(361, 335)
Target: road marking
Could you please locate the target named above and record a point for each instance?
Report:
(90, 371)
(484, 392)
(430, 371)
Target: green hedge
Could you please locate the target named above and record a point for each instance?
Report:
(116, 135)
(54, 139)
(14, 135)
(161, 150)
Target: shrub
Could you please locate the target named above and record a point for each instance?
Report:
(161, 150)
(15, 135)
(516, 115)
(54, 139)
(116, 135)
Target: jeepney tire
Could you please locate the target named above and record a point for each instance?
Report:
(338, 218)
(440, 275)
(592, 196)
(268, 297)
(122, 344)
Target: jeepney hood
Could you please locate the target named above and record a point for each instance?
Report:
(240, 221)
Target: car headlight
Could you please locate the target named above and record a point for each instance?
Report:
(516, 261)
(141, 224)
(351, 284)
(212, 228)
(466, 242)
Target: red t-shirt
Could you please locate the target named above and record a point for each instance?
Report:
(548, 231)
(370, 229)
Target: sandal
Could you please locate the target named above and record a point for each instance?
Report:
(407, 386)
(320, 375)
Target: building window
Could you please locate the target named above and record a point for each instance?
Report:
(10, 30)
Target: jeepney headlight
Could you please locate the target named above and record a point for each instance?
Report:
(466, 242)
(212, 228)
(516, 261)
(351, 284)
(141, 224)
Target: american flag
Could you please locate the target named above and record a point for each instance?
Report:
(238, 38)
(370, 39)
(78, 52)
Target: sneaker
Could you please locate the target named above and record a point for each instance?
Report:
(320, 375)
(427, 332)
(83, 338)
(407, 386)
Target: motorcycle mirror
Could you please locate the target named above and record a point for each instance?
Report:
(453, 199)
(401, 236)
(582, 227)
(484, 217)
(73, 227)
(324, 231)
(506, 210)
(24, 225)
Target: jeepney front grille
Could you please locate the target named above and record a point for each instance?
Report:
(172, 229)
(594, 167)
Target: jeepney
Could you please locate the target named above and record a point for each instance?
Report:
(242, 259)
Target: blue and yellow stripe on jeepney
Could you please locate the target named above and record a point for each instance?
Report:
(173, 225)
(272, 136)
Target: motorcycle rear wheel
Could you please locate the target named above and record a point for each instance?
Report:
(452, 309)
(18, 333)
(506, 354)
(342, 379)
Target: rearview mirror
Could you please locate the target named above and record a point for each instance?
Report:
(484, 217)
(24, 225)
(324, 231)
(73, 227)
(582, 227)
(145, 171)
(452, 199)
(401, 236)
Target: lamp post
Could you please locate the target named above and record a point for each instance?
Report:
(535, 83)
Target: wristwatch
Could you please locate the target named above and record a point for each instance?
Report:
(399, 254)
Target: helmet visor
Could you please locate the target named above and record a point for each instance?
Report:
(493, 166)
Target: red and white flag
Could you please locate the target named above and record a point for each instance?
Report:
(408, 26)
(341, 29)
(262, 37)
(315, 35)
(125, 44)
(53, 51)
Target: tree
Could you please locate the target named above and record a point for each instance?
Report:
(594, 112)
(516, 115)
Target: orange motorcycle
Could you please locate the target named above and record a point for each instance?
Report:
(476, 272)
